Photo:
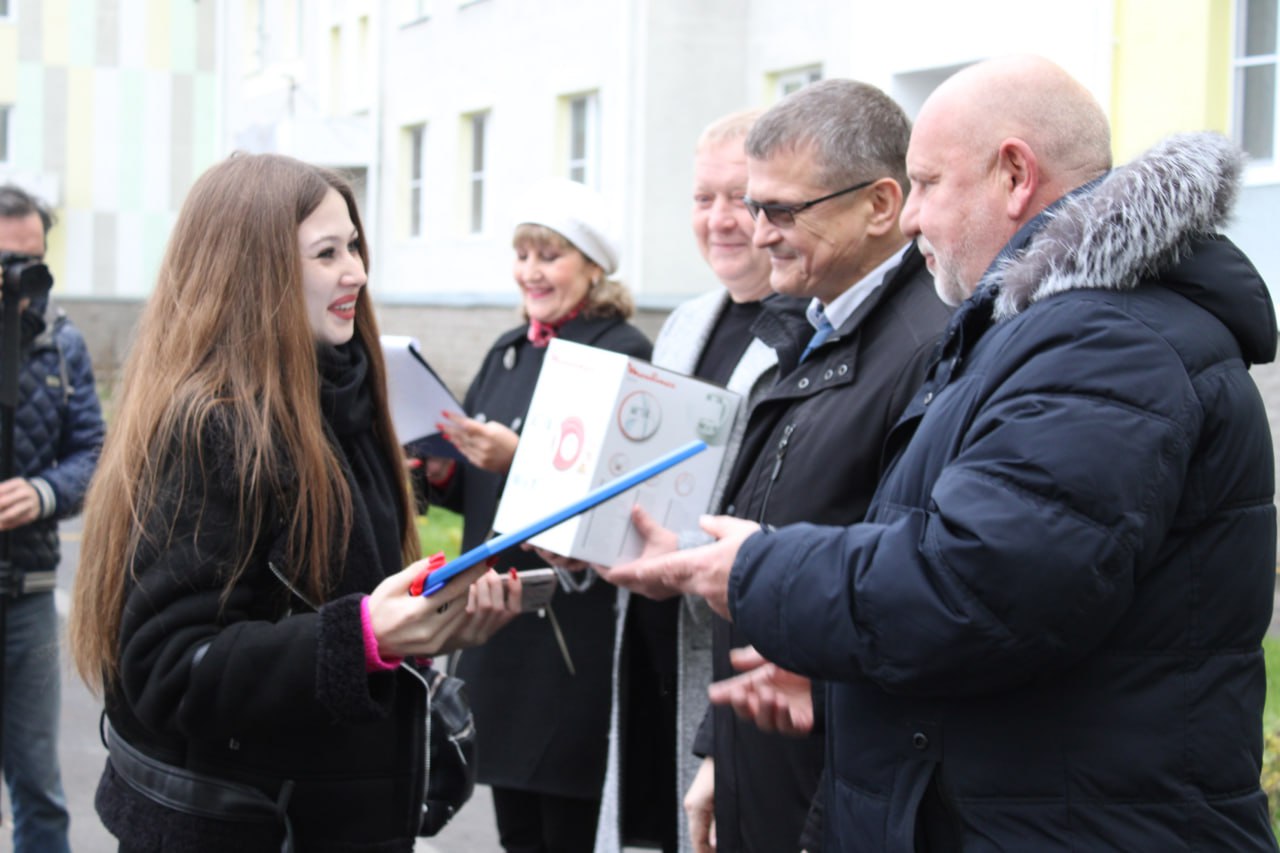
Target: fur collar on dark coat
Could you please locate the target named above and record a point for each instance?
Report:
(1140, 218)
(1153, 220)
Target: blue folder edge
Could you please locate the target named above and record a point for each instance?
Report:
(599, 495)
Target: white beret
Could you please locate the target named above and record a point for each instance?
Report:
(575, 212)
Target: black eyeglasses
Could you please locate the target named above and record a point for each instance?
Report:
(784, 215)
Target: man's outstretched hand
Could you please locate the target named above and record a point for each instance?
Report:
(700, 571)
(773, 698)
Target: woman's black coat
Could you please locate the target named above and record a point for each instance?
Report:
(259, 689)
(539, 728)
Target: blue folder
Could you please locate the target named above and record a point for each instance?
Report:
(599, 495)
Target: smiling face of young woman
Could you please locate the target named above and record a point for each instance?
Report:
(332, 270)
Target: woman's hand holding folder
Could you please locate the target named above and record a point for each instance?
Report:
(453, 617)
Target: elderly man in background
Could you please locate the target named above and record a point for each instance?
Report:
(663, 649)
(1046, 634)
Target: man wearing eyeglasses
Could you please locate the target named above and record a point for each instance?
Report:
(826, 181)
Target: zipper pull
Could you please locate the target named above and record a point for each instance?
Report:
(564, 647)
(781, 451)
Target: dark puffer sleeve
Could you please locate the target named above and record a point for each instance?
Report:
(82, 429)
(1024, 551)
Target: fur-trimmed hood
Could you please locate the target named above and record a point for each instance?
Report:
(1142, 219)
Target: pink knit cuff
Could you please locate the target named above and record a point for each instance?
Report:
(373, 662)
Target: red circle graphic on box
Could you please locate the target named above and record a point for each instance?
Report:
(569, 447)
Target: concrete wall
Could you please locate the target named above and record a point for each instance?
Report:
(454, 340)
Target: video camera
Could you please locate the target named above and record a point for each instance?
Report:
(25, 275)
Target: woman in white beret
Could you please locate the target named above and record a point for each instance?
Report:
(541, 710)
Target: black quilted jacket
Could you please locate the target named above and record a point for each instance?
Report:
(58, 431)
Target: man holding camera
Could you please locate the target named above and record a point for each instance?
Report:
(57, 435)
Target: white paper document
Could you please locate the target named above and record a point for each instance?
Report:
(415, 393)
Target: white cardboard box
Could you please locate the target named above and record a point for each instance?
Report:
(596, 415)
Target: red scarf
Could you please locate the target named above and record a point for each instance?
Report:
(540, 334)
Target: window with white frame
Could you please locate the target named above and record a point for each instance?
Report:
(414, 10)
(274, 32)
(787, 82)
(362, 88)
(337, 71)
(415, 151)
(1255, 65)
(912, 88)
(6, 116)
(257, 32)
(476, 130)
(583, 138)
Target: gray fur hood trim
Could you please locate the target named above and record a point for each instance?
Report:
(1140, 218)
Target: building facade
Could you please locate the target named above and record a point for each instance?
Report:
(446, 110)
(443, 112)
(108, 112)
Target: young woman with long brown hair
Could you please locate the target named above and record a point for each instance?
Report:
(241, 601)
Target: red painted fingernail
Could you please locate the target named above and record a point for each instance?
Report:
(512, 572)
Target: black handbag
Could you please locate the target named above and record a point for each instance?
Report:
(451, 751)
(451, 738)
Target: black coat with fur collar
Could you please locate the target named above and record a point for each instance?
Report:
(1046, 635)
(260, 689)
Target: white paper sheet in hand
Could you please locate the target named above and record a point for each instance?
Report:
(414, 392)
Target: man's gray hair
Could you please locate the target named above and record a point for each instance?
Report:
(728, 128)
(16, 203)
(856, 132)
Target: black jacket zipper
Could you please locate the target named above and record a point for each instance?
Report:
(780, 452)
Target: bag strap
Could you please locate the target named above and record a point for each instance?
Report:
(196, 794)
